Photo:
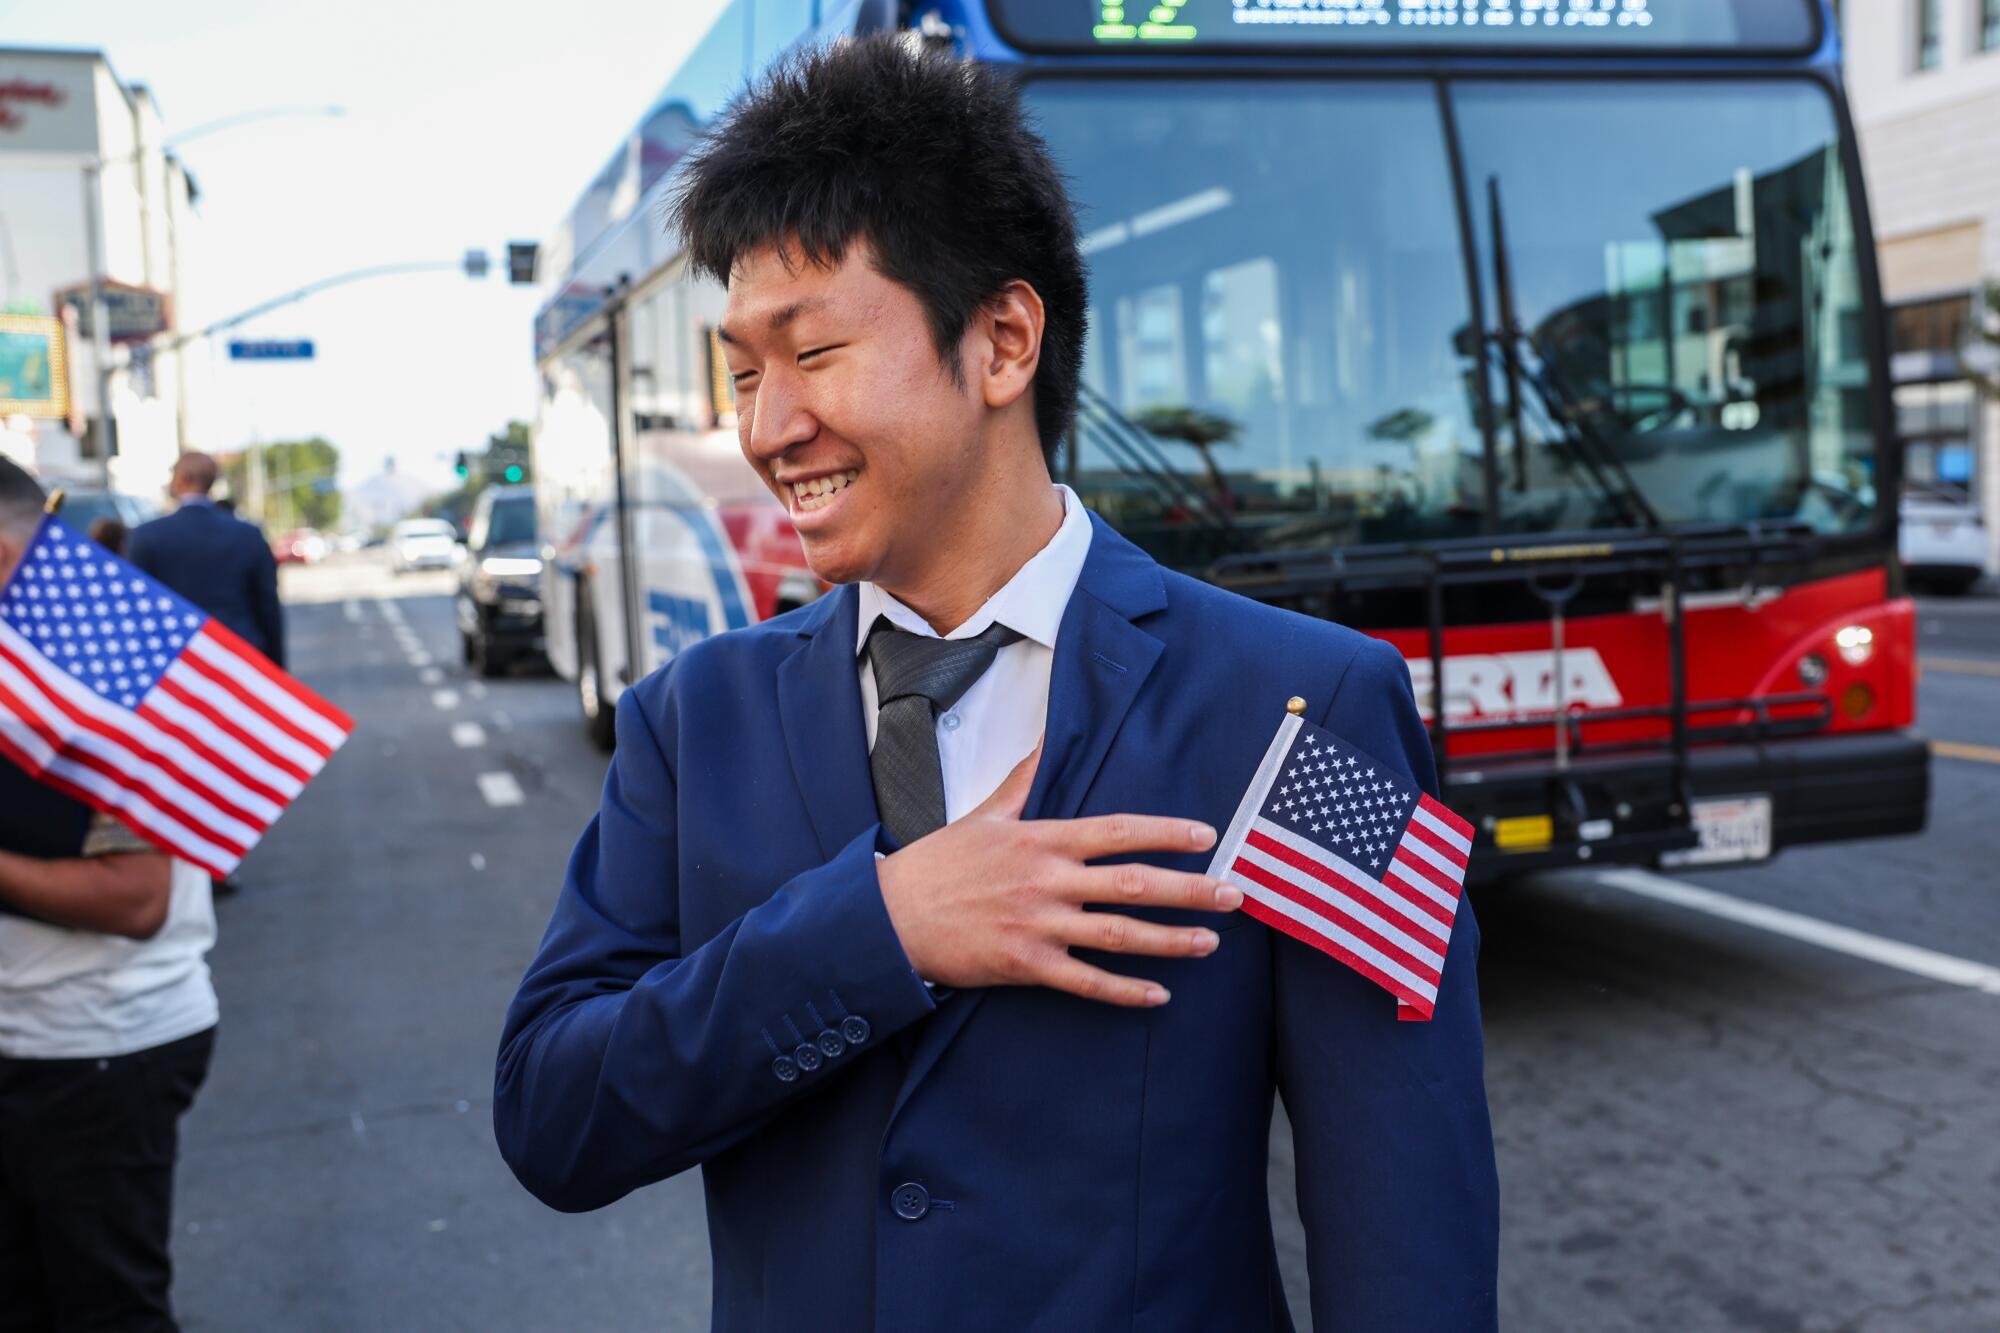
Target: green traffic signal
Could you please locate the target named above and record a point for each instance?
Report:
(514, 472)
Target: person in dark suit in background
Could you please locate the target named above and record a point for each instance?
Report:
(218, 562)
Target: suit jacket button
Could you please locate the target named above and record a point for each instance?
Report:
(910, 1201)
(807, 1056)
(830, 1044)
(855, 1028)
(784, 1069)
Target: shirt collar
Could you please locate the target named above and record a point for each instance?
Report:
(196, 502)
(1031, 603)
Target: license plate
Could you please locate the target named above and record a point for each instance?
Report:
(1730, 829)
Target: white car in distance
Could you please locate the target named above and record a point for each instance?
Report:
(422, 543)
(1943, 538)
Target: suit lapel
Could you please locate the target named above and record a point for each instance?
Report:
(819, 709)
(1101, 662)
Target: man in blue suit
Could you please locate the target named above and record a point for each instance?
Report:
(214, 559)
(848, 929)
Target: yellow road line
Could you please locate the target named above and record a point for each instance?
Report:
(1961, 666)
(1984, 754)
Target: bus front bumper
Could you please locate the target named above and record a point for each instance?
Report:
(1750, 801)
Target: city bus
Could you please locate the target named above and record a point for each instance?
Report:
(1539, 338)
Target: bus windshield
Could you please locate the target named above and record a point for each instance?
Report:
(1283, 336)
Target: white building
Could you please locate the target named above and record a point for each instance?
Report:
(1923, 77)
(81, 152)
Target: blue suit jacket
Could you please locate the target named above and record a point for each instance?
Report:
(1078, 1166)
(222, 565)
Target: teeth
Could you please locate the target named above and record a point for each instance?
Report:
(815, 494)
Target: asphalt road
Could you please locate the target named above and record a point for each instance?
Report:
(1703, 1123)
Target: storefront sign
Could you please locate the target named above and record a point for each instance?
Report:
(34, 372)
(136, 312)
(46, 102)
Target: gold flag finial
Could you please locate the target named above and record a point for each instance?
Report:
(53, 505)
(1295, 706)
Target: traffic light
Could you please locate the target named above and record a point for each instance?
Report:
(514, 472)
(521, 262)
(460, 464)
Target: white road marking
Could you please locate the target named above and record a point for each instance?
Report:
(1839, 939)
(390, 611)
(476, 690)
(445, 699)
(421, 659)
(467, 735)
(352, 610)
(430, 675)
(501, 789)
(478, 861)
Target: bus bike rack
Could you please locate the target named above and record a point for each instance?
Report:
(1554, 572)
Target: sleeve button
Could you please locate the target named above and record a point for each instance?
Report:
(830, 1044)
(855, 1028)
(784, 1068)
(807, 1056)
(910, 1201)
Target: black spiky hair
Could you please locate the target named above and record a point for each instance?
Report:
(930, 159)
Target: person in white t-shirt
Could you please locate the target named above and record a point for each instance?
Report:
(107, 1024)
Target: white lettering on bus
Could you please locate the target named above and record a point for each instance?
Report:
(1494, 686)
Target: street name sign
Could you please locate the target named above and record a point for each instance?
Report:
(271, 349)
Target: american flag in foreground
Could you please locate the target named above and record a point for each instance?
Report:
(131, 699)
(1339, 852)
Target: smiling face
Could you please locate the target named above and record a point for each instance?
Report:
(846, 412)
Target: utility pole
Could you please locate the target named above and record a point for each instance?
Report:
(100, 314)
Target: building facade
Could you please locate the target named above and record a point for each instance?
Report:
(88, 193)
(1923, 77)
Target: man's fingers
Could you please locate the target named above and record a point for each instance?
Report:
(1123, 934)
(1011, 796)
(1109, 835)
(1094, 983)
(1150, 886)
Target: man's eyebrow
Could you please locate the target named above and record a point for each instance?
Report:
(780, 317)
(786, 314)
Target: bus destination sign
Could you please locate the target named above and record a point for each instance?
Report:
(1075, 25)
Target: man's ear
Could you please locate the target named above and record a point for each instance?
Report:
(1009, 343)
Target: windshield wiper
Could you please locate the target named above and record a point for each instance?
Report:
(1569, 423)
(1139, 454)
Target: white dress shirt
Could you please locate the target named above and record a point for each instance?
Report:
(997, 722)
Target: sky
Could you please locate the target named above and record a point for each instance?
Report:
(465, 126)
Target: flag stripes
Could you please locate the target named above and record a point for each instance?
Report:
(124, 696)
(1345, 855)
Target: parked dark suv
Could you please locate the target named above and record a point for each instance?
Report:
(500, 582)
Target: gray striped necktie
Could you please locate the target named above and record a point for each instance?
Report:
(916, 678)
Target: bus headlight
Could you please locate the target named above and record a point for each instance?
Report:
(1856, 644)
(505, 567)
